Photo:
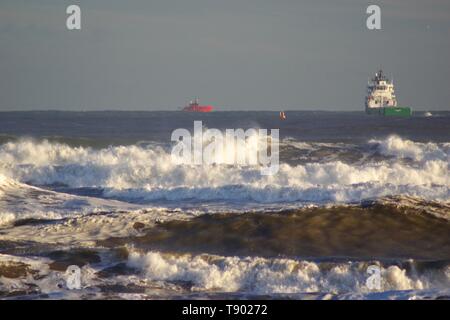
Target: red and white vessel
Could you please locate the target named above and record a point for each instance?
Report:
(194, 106)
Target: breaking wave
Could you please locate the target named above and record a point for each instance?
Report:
(402, 148)
(146, 173)
(268, 276)
(19, 201)
(162, 275)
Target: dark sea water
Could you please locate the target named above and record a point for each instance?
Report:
(118, 127)
(100, 190)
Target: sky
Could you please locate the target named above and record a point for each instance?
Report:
(233, 54)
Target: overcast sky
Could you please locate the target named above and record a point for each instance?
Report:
(234, 54)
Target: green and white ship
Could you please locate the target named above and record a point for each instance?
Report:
(381, 99)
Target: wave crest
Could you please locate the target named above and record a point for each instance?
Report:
(146, 173)
(268, 276)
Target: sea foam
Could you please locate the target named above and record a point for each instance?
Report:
(145, 174)
(268, 276)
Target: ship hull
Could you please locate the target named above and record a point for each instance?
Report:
(390, 111)
(198, 109)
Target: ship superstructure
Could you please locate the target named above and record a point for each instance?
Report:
(194, 106)
(381, 97)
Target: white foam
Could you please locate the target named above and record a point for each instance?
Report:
(268, 276)
(85, 230)
(403, 148)
(20, 201)
(40, 279)
(148, 174)
(164, 274)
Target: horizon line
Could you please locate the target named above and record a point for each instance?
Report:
(215, 111)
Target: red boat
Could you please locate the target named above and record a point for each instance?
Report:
(194, 106)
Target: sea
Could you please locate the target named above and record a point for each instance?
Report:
(92, 206)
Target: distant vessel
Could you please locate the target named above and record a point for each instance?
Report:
(282, 115)
(194, 106)
(428, 114)
(381, 98)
